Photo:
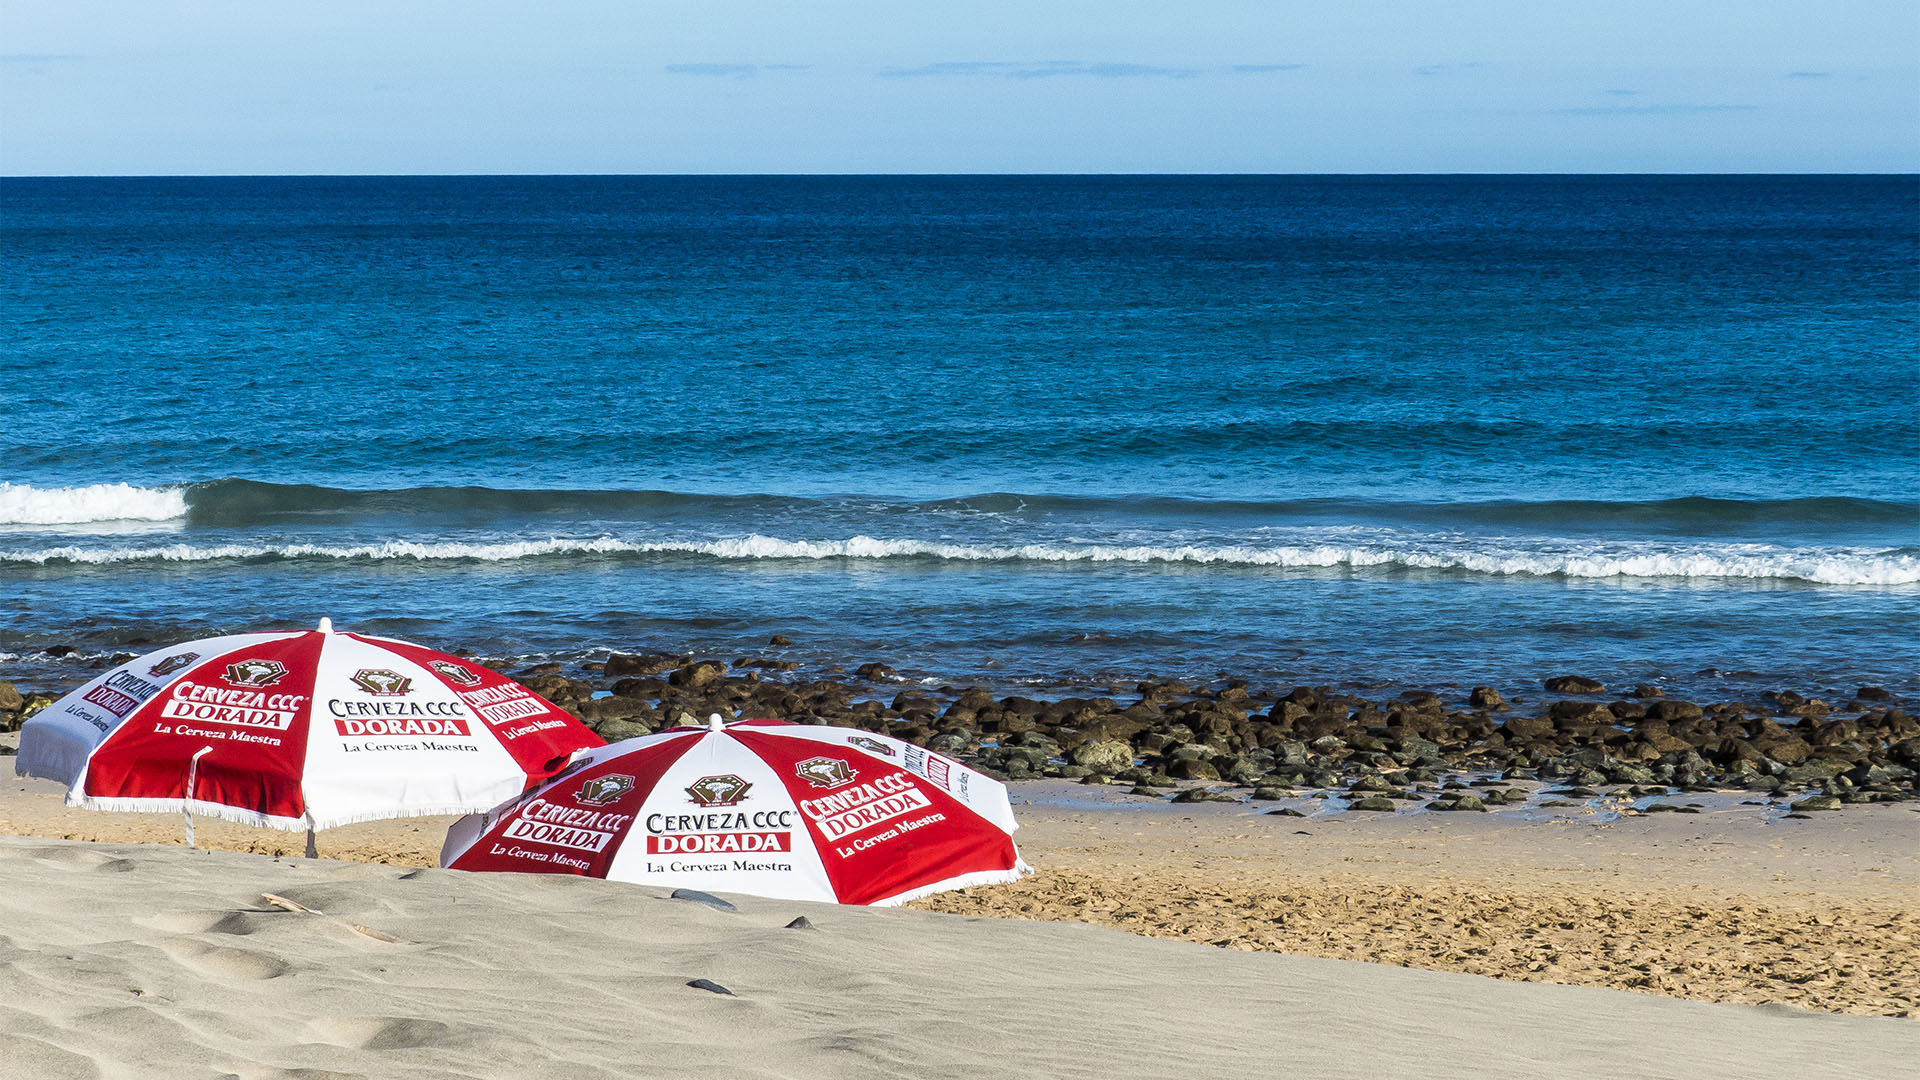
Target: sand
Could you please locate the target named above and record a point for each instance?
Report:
(1733, 904)
(132, 956)
(148, 961)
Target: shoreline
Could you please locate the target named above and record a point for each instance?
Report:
(1576, 745)
(1477, 836)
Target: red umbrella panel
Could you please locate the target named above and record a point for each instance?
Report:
(299, 730)
(761, 807)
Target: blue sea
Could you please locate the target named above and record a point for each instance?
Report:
(1047, 432)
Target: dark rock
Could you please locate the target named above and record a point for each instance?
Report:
(699, 897)
(1192, 769)
(1193, 795)
(616, 730)
(1527, 729)
(1267, 792)
(1373, 803)
(876, 672)
(710, 987)
(1486, 697)
(780, 639)
(1285, 811)
(1818, 802)
(1872, 693)
(699, 675)
(1671, 711)
(801, 923)
(11, 699)
(1142, 789)
(1574, 684)
(621, 665)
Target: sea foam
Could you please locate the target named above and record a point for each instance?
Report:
(1749, 562)
(24, 504)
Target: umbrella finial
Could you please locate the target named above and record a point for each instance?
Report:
(326, 625)
(714, 722)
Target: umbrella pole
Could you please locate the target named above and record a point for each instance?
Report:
(193, 771)
(312, 852)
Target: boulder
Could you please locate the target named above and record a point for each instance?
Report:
(1192, 769)
(699, 675)
(1527, 729)
(1671, 711)
(1106, 757)
(1192, 795)
(1486, 697)
(623, 665)
(1574, 684)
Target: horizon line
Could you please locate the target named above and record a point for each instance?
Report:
(920, 175)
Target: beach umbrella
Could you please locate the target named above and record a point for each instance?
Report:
(763, 807)
(299, 730)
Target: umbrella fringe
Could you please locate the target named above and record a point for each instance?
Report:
(239, 816)
(960, 881)
(196, 807)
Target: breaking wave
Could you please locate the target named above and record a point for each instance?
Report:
(24, 504)
(1748, 562)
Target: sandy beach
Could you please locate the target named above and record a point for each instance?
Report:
(137, 960)
(130, 955)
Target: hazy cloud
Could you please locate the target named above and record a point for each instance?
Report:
(1623, 93)
(38, 58)
(1808, 74)
(1048, 69)
(731, 71)
(1649, 110)
(1261, 69)
(1444, 69)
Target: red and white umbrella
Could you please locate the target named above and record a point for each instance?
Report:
(761, 807)
(299, 730)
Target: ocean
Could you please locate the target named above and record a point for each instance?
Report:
(1046, 432)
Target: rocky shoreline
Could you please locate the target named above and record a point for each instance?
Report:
(1230, 741)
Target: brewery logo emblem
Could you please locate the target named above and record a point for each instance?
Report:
(170, 664)
(453, 672)
(254, 674)
(825, 772)
(382, 683)
(872, 746)
(725, 790)
(602, 790)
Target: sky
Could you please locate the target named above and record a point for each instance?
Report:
(146, 87)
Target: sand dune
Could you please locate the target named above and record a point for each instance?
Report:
(139, 961)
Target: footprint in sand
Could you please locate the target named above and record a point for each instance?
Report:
(222, 962)
(72, 858)
(389, 1032)
(45, 1061)
(236, 923)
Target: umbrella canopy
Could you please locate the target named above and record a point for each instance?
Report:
(762, 807)
(299, 730)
